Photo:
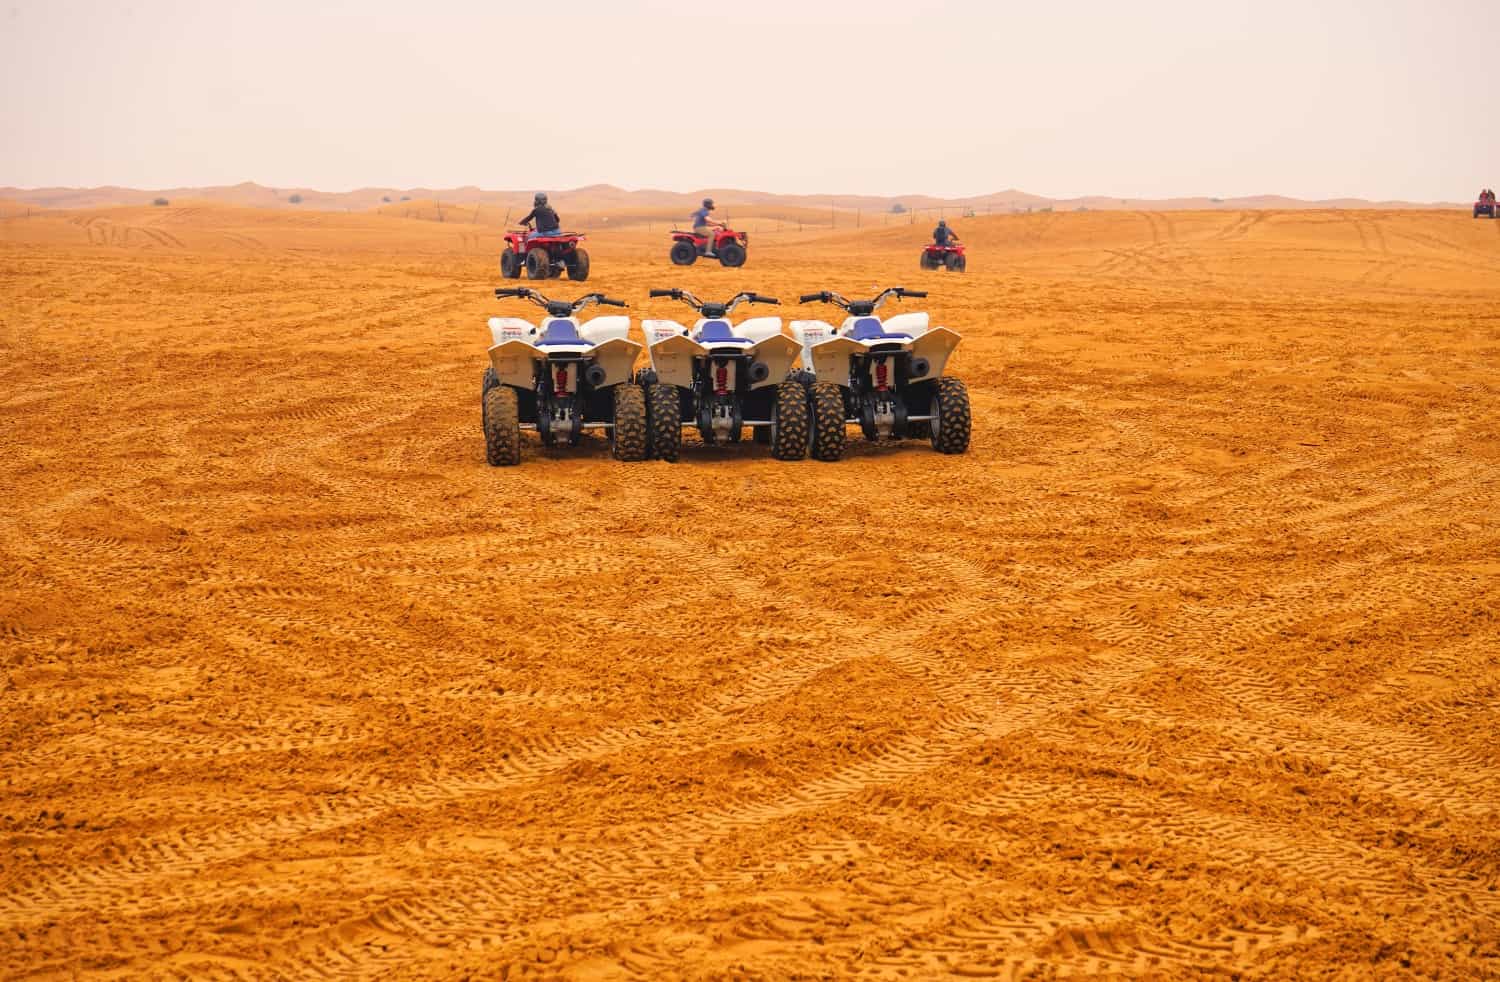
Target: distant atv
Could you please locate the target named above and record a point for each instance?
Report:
(560, 378)
(721, 378)
(950, 257)
(544, 256)
(731, 246)
(1484, 207)
(885, 376)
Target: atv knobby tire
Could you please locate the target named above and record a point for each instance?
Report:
(510, 264)
(826, 407)
(929, 261)
(664, 422)
(954, 262)
(684, 253)
(951, 419)
(502, 428)
(791, 422)
(732, 254)
(578, 269)
(538, 264)
(627, 438)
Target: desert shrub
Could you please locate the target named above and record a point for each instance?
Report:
(898, 209)
(406, 197)
(161, 202)
(295, 199)
(386, 198)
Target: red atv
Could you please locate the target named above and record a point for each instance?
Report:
(544, 256)
(729, 244)
(1485, 205)
(950, 256)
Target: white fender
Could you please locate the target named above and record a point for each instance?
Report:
(672, 359)
(778, 353)
(616, 356)
(608, 328)
(512, 360)
(504, 329)
(829, 359)
(659, 330)
(934, 345)
(757, 329)
(914, 323)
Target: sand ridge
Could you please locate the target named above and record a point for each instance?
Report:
(1190, 665)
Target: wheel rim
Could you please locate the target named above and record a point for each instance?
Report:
(937, 418)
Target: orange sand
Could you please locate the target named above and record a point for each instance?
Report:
(1191, 664)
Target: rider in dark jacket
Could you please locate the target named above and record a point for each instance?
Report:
(546, 219)
(942, 235)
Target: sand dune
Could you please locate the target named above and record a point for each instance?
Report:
(1189, 666)
(604, 198)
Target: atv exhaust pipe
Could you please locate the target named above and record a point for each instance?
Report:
(920, 367)
(594, 375)
(759, 372)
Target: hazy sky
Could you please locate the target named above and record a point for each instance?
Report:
(1313, 98)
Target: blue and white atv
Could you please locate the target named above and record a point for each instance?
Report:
(561, 377)
(885, 375)
(722, 377)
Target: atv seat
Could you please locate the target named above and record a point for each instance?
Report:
(870, 329)
(718, 332)
(560, 332)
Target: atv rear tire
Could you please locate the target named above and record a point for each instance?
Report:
(578, 269)
(538, 264)
(954, 262)
(929, 261)
(510, 264)
(791, 422)
(502, 428)
(826, 407)
(664, 422)
(732, 255)
(627, 438)
(951, 419)
(684, 253)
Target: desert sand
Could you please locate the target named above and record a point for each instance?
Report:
(1190, 666)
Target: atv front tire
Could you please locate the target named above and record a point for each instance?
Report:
(683, 253)
(826, 407)
(627, 438)
(732, 255)
(578, 269)
(538, 264)
(510, 264)
(951, 419)
(791, 422)
(502, 428)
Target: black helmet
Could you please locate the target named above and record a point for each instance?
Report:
(708, 202)
(942, 223)
(540, 199)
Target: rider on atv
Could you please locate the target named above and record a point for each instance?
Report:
(704, 226)
(547, 222)
(943, 235)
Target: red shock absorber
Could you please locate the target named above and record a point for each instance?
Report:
(721, 379)
(560, 386)
(882, 376)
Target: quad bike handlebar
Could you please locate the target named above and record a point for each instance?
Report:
(861, 307)
(557, 308)
(714, 309)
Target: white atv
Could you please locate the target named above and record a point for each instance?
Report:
(887, 376)
(722, 377)
(561, 377)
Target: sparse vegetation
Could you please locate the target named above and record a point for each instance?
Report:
(386, 198)
(161, 202)
(295, 199)
(406, 197)
(898, 209)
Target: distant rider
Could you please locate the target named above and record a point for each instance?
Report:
(547, 222)
(704, 226)
(943, 235)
